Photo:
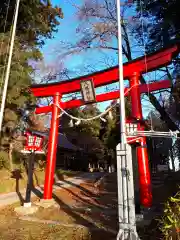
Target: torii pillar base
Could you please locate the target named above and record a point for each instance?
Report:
(47, 203)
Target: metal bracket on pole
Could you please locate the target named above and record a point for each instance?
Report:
(126, 203)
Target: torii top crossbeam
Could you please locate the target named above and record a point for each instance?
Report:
(140, 65)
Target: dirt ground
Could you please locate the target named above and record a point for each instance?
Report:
(82, 212)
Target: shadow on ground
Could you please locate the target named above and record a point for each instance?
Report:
(17, 175)
(98, 209)
(93, 211)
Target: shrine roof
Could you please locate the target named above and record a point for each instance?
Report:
(63, 142)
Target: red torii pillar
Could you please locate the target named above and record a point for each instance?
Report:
(52, 148)
(142, 154)
(132, 71)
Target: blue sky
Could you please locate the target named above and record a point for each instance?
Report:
(67, 32)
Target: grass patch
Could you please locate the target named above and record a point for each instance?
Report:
(8, 180)
(11, 227)
(24, 230)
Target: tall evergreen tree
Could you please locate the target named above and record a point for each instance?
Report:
(162, 21)
(37, 21)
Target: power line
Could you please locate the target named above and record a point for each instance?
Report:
(7, 11)
(6, 81)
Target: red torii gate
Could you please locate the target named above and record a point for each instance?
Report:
(132, 71)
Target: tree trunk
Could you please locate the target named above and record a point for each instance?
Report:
(10, 157)
(164, 115)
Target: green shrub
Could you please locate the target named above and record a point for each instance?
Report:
(170, 222)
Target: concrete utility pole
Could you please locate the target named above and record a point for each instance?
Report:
(6, 80)
(121, 79)
(126, 205)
